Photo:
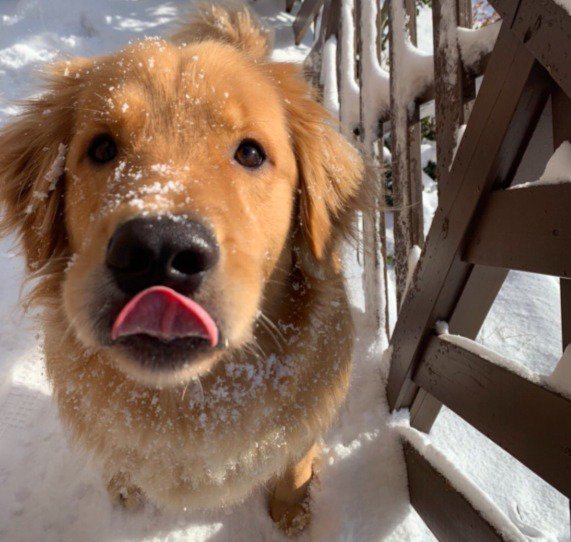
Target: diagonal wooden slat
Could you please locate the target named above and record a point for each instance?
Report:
(506, 9)
(528, 421)
(528, 229)
(512, 96)
(305, 16)
(446, 512)
(471, 310)
(545, 28)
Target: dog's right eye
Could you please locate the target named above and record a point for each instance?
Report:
(102, 149)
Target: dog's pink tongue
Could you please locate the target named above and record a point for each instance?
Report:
(165, 314)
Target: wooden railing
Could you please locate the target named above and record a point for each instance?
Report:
(480, 231)
(451, 89)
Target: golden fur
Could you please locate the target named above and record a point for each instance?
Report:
(207, 434)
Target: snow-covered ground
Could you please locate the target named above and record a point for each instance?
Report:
(47, 492)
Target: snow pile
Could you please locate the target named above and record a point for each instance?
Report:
(329, 77)
(349, 89)
(558, 169)
(560, 378)
(474, 44)
(565, 4)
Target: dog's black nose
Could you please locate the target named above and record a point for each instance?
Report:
(169, 251)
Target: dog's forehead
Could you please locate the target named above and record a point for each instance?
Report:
(156, 81)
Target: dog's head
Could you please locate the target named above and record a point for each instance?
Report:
(156, 189)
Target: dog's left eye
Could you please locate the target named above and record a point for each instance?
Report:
(102, 149)
(250, 154)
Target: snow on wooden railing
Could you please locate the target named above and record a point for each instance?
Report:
(370, 102)
(479, 231)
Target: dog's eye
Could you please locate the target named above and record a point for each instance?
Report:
(250, 154)
(102, 149)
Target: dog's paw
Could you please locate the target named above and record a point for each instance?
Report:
(291, 518)
(125, 494)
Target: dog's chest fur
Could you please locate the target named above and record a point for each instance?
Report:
(212, 441)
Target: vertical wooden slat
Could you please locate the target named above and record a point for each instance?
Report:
(448, 87)
(468, 80)
(415, 167)
(424, 411)
(330, 17)
(405, 137)
(374, 255)
(561, 108)
(305, 16)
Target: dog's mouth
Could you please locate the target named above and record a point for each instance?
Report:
(162, 313)
(163, 329)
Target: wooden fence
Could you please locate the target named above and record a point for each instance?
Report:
(481, 229)
(382, 112)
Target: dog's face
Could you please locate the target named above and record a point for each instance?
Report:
(180, 173)
(160, 186)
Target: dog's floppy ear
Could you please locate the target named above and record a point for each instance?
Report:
(330, 169)
(32, 160)
(231, 23)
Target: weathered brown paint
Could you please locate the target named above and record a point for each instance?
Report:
(528, 229)
(527, 420)
(446, 512)
(406, 167)
(471, 310)
(508, 106)
(305, 16)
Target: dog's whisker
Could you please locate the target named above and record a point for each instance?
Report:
(272, 329)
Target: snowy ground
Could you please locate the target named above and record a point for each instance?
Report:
(48, 493)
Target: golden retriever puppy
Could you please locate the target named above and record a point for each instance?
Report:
(180, 205)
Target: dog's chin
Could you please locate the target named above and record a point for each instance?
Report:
(159, 364)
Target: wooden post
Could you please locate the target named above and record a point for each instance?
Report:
(330, 17)
(448, 78)
(374, 254)
(561, 107)
(406, 170)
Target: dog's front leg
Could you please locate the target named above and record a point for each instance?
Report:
(289, 501)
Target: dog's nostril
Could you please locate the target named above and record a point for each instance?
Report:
(140, 261)
(190, 262)
(128, 259)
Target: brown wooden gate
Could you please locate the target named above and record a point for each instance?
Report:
(479, 232)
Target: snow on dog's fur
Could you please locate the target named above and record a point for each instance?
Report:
(207, 432)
